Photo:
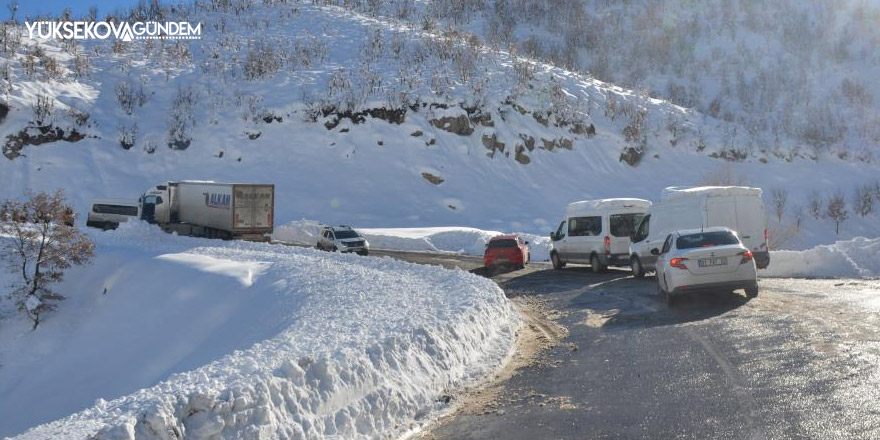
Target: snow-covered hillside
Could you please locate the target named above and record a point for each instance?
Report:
(236, 340)
(377, 119)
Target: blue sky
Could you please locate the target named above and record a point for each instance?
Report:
(79, 7)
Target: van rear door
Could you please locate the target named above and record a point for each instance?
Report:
(721, 211)
(744, 214)
(750, 221)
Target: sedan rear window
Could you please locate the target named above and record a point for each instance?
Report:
(706, 239)
(505, 243)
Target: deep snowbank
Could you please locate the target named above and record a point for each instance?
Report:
(454, 239)
(241, 340)
(856, 258)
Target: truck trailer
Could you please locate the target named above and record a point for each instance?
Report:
(211, 209)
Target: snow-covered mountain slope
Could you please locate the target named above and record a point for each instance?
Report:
(213, 339)
(373, 121)
(802, 69)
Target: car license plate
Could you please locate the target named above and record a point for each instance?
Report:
(709, 262)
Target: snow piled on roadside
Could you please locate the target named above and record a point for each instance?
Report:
(451, 239)
(856, 258)
(211, 339)
(460, 240)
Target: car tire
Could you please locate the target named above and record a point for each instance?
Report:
(666, 296)
(558, 264)
(752, 292)
(636, 265)
(363, 252)
(333, 248)
(596, 265)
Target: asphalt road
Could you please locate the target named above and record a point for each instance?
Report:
(800, 361)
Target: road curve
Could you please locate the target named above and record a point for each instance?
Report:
(800, 361)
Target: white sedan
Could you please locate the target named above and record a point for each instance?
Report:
(704, 260)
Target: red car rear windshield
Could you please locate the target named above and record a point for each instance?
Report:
(505, 243)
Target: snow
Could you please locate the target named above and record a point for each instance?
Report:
(165, 334)
(620, 203)
(370, 174)
(673, 193)
(440, 239)
(856, 258)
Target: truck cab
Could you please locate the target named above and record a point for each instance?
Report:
(155, 204)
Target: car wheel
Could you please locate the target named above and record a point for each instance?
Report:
(363, 252)
(636, 265)
(752, 292)
(596, 265)
(668, 297)
(557, 263)
(333, 248)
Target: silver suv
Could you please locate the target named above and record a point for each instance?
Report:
(343, 239)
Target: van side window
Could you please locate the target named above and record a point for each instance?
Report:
(584, 226)
(100, 208)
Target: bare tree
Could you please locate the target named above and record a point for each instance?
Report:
(798, 212)
(863, 200)
(837, 210)
(43, 242)
(13, 9)
(780, 197)
(814, 204)
(43, 108)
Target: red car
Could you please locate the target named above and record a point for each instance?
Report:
(506, 250)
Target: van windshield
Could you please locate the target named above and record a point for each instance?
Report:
(623, 225)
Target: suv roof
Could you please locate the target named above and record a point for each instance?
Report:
(504, 237)
(339, 228)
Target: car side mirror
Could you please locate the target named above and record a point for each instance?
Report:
(655, 251)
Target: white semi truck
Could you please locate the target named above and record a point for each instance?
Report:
(211, 209)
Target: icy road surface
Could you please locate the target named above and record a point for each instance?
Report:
(800, 361)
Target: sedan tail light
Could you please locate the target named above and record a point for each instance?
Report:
(678, 263)
(746, 257)
(766, 239)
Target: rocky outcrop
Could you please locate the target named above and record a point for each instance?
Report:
(436, 180)
(459, 125)
(37, 136)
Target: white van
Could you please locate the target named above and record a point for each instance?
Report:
(109, 213)
(597, 232)
(737, 207)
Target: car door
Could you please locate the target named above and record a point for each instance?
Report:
(559, 243)
(661, 265)
(325, 242)
(640, 243)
